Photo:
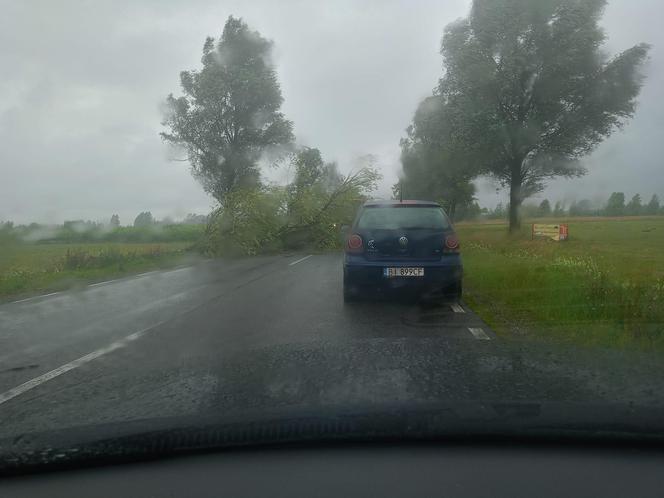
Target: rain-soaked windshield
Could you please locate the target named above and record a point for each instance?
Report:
(229, 211)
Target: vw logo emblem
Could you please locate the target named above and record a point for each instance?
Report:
(372, 244)
(403, 241)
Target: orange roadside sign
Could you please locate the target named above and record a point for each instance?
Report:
(557, 232)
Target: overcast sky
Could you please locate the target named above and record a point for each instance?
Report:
(82, 83)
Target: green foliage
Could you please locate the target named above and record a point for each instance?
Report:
(559, 209)
(309, 167)
(634, 207)
(320, 211)
(28, 267)
(80, 258)
(195, 219)
(530, 211)
(616, 204)
(653, 206)
(530, 91)
(115, 221)
(544, 208)
(499, 213)
(308, 214)
(582, 208)
(230, 111)
(434, 166)
(469, 212)
(7, 233)
(76, 232)
(144, 219)
(580, 290)
(248, 223)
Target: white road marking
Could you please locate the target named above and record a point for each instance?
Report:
(95, 285)
(456, 307)
(147, 273)
(179, 269)
(102, 283)
(300, 260)
(479, 334)
(25, 300)
(31, 384)
(159, 303)
(35, 297)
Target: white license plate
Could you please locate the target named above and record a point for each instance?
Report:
(403, 272)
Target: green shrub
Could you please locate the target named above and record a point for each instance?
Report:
(83, 259)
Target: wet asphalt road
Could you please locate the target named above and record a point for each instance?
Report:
(269, 332)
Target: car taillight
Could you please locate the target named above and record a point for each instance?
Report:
(451, 244)
(354, 244)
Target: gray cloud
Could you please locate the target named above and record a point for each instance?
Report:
(83, 82)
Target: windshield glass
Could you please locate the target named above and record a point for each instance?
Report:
(220, 214)
(393, 218)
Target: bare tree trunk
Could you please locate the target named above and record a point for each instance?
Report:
(452, 213)
(515, 200)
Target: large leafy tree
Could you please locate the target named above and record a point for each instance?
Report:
(615, 206)
(434, 166)
(532, 89)
(310, 169)
(230, 111)
(635, 206)
(544, 208)
(653, 205)
(144, 219)
(314, 179)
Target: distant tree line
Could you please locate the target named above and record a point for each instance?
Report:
(615, 205)
(83, 231)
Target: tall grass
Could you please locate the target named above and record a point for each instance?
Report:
(593, 290)
(81, 259)
(34, 267)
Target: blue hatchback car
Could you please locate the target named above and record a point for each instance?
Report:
(402, 246)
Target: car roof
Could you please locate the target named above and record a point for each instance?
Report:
(378, 203)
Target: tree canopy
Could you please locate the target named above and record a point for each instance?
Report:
(615, 206)
(635, 206)
(144, 219)
(302, 214)
(229, 114)
(434, 167)
(544, 208)
(653, 206)
(530, 90)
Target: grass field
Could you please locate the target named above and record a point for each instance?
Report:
(604, 286)
(33, 268)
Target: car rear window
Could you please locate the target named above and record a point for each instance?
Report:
(403, 217)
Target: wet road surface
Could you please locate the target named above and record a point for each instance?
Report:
(268, 332)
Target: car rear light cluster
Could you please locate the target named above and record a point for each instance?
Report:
(354, 244)
(451, 245)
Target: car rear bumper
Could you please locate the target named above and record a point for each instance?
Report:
(361, 273)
